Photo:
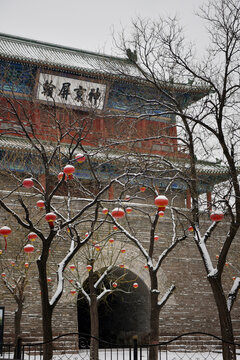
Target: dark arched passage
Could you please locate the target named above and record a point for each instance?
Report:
(123, 313)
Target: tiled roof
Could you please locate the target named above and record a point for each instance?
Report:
(21, 49)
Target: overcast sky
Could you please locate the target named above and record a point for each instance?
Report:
(88, 24)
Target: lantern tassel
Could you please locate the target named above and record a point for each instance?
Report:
(5, 238)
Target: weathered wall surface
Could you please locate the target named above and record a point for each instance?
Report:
(190, 308)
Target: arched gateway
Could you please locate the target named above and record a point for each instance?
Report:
(122, 314)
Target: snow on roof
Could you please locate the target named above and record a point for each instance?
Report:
(17, 48)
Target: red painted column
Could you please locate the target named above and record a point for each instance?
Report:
(188, 200)
(111, 193)
(209, 200)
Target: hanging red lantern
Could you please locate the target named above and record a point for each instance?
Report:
(118, 213)
(3, 275)
(97, 247)
(70, 280)
(105, 211)
(129, 210)
(89, 267)
(26, 265)
(5, 231)
(40, 204)
(156, 237)
(114, 285)
(142, 188)
(51, 217)
(28, 183)
(49, 279)
(72, 267)
(135, 285)
(121, 266)
(161, 213)
(69, 170)
(111, 240)
(28, 248)
(217, 256)
(13, 263)
(115, 227)
(145, 266)
(32, 236)
(234, 278)
(73, 292)
(216, 215)
(61, 175)
(190, 228)
(161, 202)
(123, 251)
(80, 158)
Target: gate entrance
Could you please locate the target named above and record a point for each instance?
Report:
(123, 313)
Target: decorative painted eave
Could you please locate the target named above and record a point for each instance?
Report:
(57, 57)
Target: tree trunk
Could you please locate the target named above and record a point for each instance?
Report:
(47, 311)
(17, 326)
(94, 345)
(228, 349)
(154, 319)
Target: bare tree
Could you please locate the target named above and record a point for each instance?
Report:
(168, 63)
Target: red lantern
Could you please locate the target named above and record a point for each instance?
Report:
(145, 266)
(13, 263)
(127, 197)
(129, 210)
(5, 231)
(72, 267)
(135, 285)
(69, 170)
(156, 237)
(118, 213)
(234, 278)
(32, 236)
(73, 292)
(217, 256)
(142, 188)
(105, 211)
(50, 217)
(111, 240)
(161, 202)
(190, 228)
(216, 216)
(61, 175)
(26, 265)
(161, 213)
(49, 279)
(115, 227)
(123, 251)
(3, 274)
(28, 183)
(28, 248)
(40, 204)
(121, 266)
(97, 247)
(89, 267)
(80, 158)
(114, 285)
(70, 280)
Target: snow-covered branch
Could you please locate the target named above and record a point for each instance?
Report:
(233, 293)
(166, 296)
